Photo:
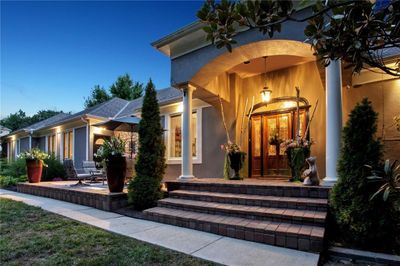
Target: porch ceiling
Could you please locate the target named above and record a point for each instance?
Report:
(298, 52)
(276, 62)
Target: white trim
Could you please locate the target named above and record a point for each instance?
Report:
(8, 151)
(19, 147)
(199, 140)
(62, 146)
(58, 145)
(46, 144)
(87, 140)
(73, 144)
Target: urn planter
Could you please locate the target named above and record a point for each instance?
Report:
(236, 163)
(34, 170)
(116, 172)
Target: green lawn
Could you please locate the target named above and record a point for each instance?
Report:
(32, 236)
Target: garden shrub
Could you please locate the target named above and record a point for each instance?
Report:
(54, 169)
(15, 168)
(144, 189)
(10, 181)
(362, 222)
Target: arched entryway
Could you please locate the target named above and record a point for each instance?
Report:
(271, 124)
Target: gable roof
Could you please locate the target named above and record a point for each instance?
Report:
(164, 96)
(107, 109)
(113, 108)
(49, 121)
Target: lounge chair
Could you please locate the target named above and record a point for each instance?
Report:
(89, 167)
(72, 173)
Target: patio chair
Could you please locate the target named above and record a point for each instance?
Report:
(89, 167)
(72, 173)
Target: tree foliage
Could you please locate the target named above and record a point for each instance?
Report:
(361, 222)
(126, 89)
(354, 31)
(144, 189)
(97, 96)
(20, 119)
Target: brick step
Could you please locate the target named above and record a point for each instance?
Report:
(253, 200)
(249, 212)
(301, 237)
(264, 189)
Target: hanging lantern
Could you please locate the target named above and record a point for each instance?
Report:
(266, 95)
(266, 92)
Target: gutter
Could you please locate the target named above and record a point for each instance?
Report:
(192, 27)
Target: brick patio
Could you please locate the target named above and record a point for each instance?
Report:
(96, 195)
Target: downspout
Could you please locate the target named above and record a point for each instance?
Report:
(85, 120)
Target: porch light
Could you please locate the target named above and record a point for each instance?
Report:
(266, 95)
(179, 107)
(266, 92)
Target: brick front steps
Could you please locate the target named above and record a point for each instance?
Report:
(284, 215)
(251, 200)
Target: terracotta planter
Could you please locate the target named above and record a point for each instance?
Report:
(116, 172)
(34, 170)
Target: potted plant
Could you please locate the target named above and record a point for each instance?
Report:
(234, 158)
(34, 164)
(297, 151)
(112, 153)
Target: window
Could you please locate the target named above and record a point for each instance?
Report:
(174, 137)
(51, 144)
(68, 145)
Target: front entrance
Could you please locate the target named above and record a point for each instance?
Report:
(267, 131)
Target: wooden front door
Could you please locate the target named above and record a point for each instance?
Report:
(278, 128)
(267, 158)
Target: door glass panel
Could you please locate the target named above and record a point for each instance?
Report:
(272, 131)
(302, 129)
(283, 130)
(257, 137)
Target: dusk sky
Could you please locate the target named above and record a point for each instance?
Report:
(53, 53)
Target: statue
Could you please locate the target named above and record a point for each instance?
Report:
(310, 175)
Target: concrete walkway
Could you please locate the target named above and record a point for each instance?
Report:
(204, 245)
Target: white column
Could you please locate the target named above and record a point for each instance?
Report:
(333, 75)
(30, 142)
(8, 151)
(46, 144)
(187, 164)
(88, 140)
(62, 147)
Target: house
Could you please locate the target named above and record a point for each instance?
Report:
(76, 136)
(273, 68)
(204, 77)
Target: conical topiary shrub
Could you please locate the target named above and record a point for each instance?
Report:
(144, 189)
(361, 222)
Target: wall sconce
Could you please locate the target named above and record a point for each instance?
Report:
(179, 107)
(266, 95)
(97, 130)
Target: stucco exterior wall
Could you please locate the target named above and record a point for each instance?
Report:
(184, 67)
(213, 135)
(385, 98)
